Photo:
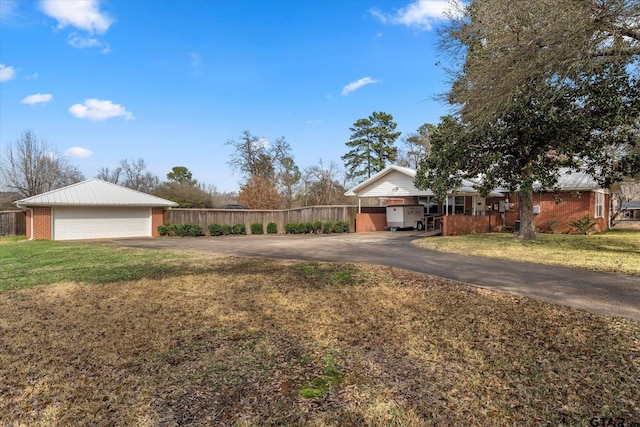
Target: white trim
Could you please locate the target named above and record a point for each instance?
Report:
(599, 204)
(32, 233)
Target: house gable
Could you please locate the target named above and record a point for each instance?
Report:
(395, 183)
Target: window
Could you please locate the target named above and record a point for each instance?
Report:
(599, 205)
(456, 205)
(430, 204)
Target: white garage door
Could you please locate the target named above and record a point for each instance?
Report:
(96, 223)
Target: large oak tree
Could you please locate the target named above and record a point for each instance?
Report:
(540, 86)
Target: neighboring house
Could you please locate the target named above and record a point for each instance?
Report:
(465, 211)
(631, 211)
(93, 209)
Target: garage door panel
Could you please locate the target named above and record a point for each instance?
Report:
(96, 223)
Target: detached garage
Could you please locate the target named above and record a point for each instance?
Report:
(93, 209)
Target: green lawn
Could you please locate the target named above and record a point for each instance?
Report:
(614, 251)
(25, 264)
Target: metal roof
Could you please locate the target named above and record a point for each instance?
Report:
(631, 205)
(408, 189)
(572, 180)
(95, 192)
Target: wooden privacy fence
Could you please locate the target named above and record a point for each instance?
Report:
(13, 223)
(204, 217)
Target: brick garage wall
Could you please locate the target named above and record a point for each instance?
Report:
(41, 224)
(366, 222)
(157, 219)
(457, 225)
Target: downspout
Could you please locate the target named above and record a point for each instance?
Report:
(31, 228)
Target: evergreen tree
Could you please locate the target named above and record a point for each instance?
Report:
(372, 146)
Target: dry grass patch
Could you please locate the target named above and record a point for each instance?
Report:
(236, 346)
(616, 251)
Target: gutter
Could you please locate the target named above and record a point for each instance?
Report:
(30, 210)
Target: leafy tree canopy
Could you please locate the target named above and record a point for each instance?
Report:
(185, 194)
(181, 174)
(541, 86)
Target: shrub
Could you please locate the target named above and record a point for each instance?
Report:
(257, 228)
(226, 229)
(215, 229)
(341, 227)
(167, 230)
(181, 230)
(195, 230)
(272, 228)
(327, 227)
(239, 229)
(297, 228)
(583, 225)
(553, 225)
(317, 226)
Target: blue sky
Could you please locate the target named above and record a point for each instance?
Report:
(172, 81)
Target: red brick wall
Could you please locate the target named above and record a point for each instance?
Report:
(41, 224)
(157, 219)
(510, 217)
(457, 225)
(572, 207)
(366, 222)
(557, 217)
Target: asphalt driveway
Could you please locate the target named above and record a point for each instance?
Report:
(597, 292)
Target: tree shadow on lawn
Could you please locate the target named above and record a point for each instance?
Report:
(236, 346)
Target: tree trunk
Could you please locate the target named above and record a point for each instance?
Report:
(527, 221)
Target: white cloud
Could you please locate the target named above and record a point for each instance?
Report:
(8, 9)
(6, 73)
(420, 14)
(262, 143)
(314, 122)
(82, 14)
(358, 84)
(33, 76)
(78, 152)
(80, 42)
(38, 98)
(97, 110)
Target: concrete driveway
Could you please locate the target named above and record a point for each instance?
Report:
(607, 293)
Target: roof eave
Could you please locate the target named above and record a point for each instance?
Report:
(102, 205)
